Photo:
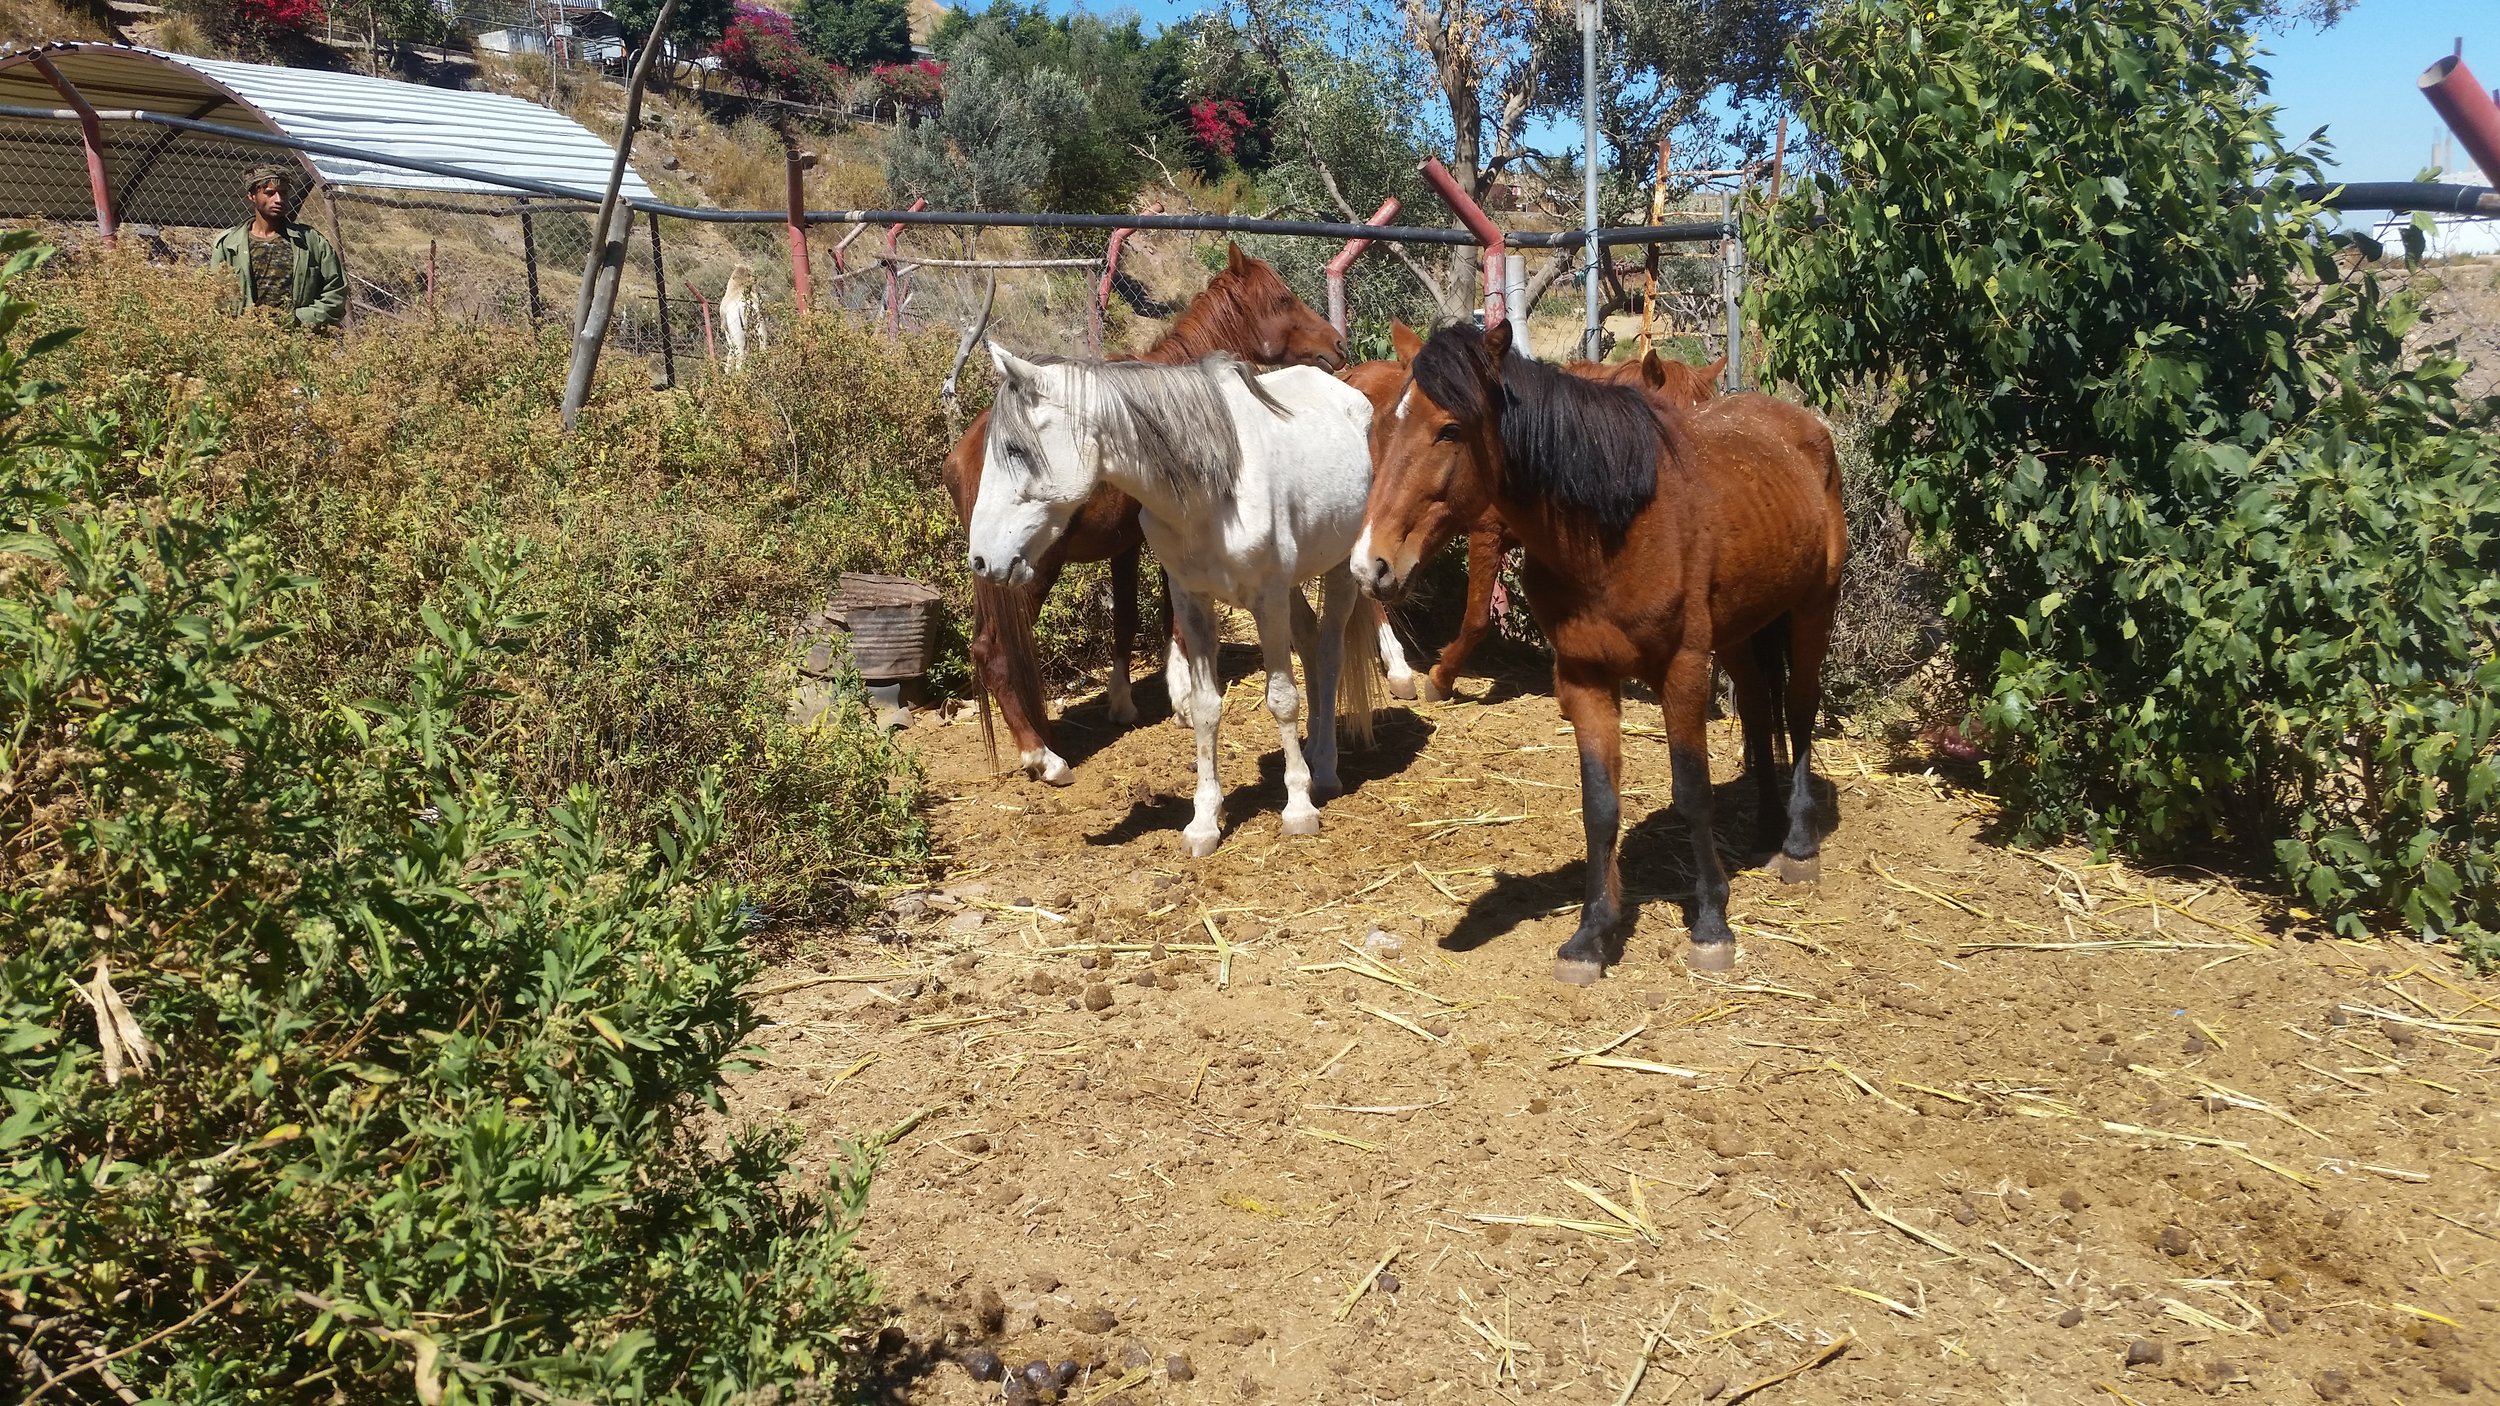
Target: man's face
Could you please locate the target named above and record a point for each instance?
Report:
(268, 200)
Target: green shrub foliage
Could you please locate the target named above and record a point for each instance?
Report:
(2222, 550)
(333, 1072)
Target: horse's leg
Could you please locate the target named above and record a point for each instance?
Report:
(1276, 614)
(1176, 684)
(1753, 709)
(1484, 570)
(1594, 707)
(1194, 649)
(1323, 668)
(1123, 634)
(1686, 696)
(1800, 858)
(1032, 744)
(1393, 655)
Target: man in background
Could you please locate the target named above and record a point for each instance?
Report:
(281, 267)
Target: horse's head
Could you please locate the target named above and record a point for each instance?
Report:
(1283, 331)
(1436, 452)
(1037, 469)
(1677, 383)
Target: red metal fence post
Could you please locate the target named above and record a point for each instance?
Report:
(91, 133)
(1478, 224)
(802, 281)
(1110, 267)
(1344, 261)
(2466, 106)
(893, 285)
(711, 351)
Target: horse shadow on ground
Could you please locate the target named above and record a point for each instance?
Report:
(1399, 735)
(1655, 860)
(1087, 728)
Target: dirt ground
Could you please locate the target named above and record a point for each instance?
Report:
(1966, 1123)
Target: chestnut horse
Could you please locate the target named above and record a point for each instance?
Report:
(1655, 538)
(1247, 310)
(1676, 383)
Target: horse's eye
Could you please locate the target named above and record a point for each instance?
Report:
(1447, 434)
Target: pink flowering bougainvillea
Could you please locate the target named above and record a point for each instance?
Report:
(281, 14)
(913, 85)
(1216, 124)
(761, 49)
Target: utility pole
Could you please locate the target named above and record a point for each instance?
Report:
(1589, 19)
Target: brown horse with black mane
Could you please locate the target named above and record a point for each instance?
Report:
(1676, 383)
(1655, 539)
(1247, 310)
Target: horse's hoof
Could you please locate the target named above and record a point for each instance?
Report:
(1306, 823)
(1403, 687)
(1055, 770)
(1710, 956)
(1791, 870)
(1433, 690)
(1200, 846)
(1573, 971)
(1123, 712)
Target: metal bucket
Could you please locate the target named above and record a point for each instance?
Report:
(891, 621)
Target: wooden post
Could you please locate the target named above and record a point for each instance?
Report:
(615, 224)
(529, 260)
(429, 279)
(1657, 215)
(91, 134)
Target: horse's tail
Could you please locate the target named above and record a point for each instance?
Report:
(1000, 618)
(1771, 648)
(1358, 673)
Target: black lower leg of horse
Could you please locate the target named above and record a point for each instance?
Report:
(1754, 710)
(1713, 940)
(1799, 858)
(1124, 609)
(1596, 714)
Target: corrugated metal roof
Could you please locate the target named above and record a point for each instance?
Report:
(484, 132)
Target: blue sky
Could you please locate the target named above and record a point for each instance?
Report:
(2355, 79)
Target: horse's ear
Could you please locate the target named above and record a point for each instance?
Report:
(1715, 370)
(1235, 261)
(1012, 369)
(1653, 370)
(1405, 341)
(1497, 341)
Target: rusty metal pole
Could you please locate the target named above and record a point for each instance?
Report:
(893, 284)
(429, 278)
(711, 350)
(91, 134)
(2466, 106)
(1111, 269)
(802, 279)
(1343, 264)
(1478, 224)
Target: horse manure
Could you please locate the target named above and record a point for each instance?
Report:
(1386, 1282)
(1715, 1390)
(1094, 1320)
(982, 1365)
(990, 1312)
(1088, 961)
(2070, 1318)
(2144, 1352)
(1177, 1367)
(2401, 1036)
(1097, 997)
(1136, 1355)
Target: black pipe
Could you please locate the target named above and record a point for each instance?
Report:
(2361, 195)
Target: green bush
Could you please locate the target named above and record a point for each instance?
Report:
(672, 544)
(2222, 554)
(333, 1071)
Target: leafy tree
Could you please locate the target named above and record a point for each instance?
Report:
(1095, 159)
(697, 24)
(856, 34)
(331, 1070)
(2223, 553)
(992, 146)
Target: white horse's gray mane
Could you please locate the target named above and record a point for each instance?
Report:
(1170, 422)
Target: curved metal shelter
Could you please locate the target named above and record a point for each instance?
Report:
(88, 157)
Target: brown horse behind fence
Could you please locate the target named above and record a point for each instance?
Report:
(1655, 539)
(1676, 383)
(1248, 311)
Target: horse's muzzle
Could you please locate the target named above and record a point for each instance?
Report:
(1015, 571)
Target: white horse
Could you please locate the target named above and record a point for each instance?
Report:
(1251, 486)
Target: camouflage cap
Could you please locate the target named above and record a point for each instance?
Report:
(262, 175)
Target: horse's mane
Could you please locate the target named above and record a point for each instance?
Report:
(1167, 422)
(1584, 446)
(1222, 317)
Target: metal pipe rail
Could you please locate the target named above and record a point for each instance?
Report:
(2352, 195)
